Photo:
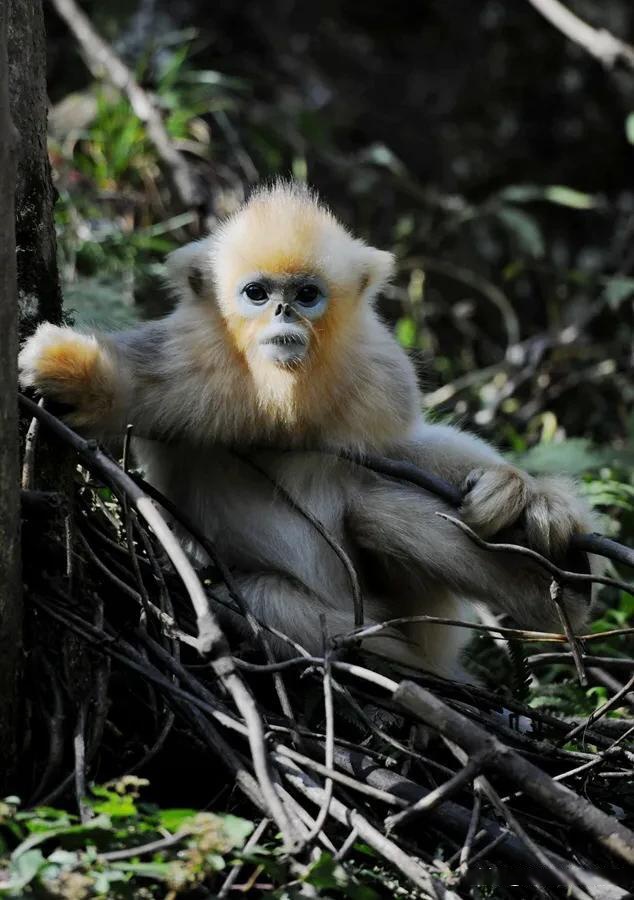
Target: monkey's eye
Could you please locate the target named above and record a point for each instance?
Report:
(308, 294)
(255, 292)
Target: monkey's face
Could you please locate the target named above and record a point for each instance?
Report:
(279, 312)
(290, 282)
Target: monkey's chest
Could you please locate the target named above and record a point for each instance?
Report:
(258, 509)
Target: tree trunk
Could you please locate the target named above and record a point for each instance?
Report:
(10, 574)
(29, 293)
(39, 296)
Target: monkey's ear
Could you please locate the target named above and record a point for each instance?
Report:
(189, 271)
(378, 269)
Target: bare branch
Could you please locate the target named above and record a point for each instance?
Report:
(599, 42)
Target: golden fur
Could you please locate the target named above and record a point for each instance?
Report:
(197, 381)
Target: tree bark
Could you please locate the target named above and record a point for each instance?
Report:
(29, 293)
(10, 574)
(39, 296)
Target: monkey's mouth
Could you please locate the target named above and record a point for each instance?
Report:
(282, 340)
(285, 348)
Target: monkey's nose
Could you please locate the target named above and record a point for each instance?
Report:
(284, 310)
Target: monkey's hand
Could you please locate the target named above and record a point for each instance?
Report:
(548, 508)
(72, 369)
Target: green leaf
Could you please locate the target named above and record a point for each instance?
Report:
(236, 829)
(524, 228)
(174, 819)
(565, 196)
(98, 824)
(23, 870)
(617, 290)
(554, 193)
(158, 870)
(406, 332)
(118, 808)
(571, 457)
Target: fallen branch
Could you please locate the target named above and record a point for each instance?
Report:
(499, 759)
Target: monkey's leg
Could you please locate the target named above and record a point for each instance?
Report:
(286, 605)
(401, 522)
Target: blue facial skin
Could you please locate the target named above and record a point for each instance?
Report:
(288, 304)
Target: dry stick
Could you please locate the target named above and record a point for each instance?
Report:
(455, 818)
(190, 706)
(330, 736)
(403, 470)
(30, 445)
(211, 638)
(352, 637)
(438, 795)
(612, 684)
(141, 849)
(250, 844)
(284, 753)
(599, 760)
(409, 866)
(562, 575)
(79, 749)
(168, 621)
(55, 724)
(599, 42)
(540, 659)
(556, 595)
(601, 711)
(104, 64)
(465, 850)
(558, 799)
(572, 889)
(235, 593)
(347, 845)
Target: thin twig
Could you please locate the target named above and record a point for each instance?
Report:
(601, 711)
(142, 849)
(556, 595)
(562, 575)
(250, 844)
(438, 795)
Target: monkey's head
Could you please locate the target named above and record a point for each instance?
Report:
(289, 280)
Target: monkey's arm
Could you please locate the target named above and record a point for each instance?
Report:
(496, 494)
(105, 381)
(400, 522)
